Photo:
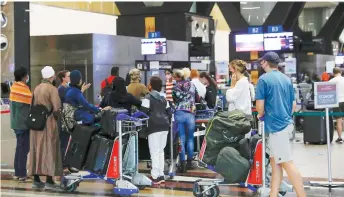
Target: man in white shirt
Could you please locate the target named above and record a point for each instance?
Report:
(337, 73)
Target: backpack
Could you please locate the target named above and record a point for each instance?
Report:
(67, 117)
(38, 116)
(107, 89)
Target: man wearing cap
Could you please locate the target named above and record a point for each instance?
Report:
(45, 152)
(275, 101)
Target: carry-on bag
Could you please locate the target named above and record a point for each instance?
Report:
(108, 123)
(99, 154)
(314, 129)
(79, 145)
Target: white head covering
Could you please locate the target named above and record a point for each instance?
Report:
(47, 72)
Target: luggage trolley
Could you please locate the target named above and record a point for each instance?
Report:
(201, 117)
(255, 180)
(122, 170)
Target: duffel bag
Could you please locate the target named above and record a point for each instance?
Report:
(232, 166)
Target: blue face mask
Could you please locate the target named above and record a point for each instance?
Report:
(28, 79)
(68, 84)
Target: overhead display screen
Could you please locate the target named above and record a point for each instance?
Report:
(153, 46)
(249, 42)
(283, 41)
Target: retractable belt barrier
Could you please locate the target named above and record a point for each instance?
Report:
(312, 113)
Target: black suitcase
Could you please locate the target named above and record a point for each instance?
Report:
(78, 146)
(314, 129)
(99, 154)
(108, 122)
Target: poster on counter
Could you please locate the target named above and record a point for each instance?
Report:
(222, 68)
(154, 65)
(329, 66)
(290, 66)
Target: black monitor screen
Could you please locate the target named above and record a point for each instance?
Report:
(283, 41)
(153, 46)
(249, 42)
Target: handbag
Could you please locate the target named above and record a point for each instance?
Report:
(38, 116)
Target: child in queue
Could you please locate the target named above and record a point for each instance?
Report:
(158, 110)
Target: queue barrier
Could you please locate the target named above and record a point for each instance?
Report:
(312, 113)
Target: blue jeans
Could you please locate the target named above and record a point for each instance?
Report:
(186, 120)
(22, 150)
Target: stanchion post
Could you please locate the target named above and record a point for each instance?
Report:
(326, 96)
(329, 167)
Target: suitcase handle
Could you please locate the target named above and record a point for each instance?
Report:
(74, 147)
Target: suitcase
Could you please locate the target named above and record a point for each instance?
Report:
(99, 154)
(78, 146)
(314, 129)
(108, 122)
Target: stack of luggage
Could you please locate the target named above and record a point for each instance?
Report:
(226, 147)
(90, 147)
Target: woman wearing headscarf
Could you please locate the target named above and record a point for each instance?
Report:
(86, 112)
(120, 98)
(45, 153)
(136, 88)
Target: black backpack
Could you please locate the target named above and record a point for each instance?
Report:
(107, 89)
(38, 116)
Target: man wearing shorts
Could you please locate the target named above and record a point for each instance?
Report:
(275, 101)
(337, 73)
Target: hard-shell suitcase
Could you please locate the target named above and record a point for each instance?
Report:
(314, 129)
(78, 146)
(99, 154)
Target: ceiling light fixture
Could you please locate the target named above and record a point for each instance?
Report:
(251, 8)
(243, 3)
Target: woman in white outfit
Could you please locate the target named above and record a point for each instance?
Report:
(201, 89)
(239, 96)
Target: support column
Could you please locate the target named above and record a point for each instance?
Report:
(22, 35)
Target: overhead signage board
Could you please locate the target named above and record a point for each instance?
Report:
(255, 30)
(325, 95)
(275, 29)
(154, 34)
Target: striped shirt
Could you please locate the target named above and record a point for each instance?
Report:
(169, 86)
(20, 93)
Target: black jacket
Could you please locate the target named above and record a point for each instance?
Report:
(210, 96)
(119, 97)
(158, 110)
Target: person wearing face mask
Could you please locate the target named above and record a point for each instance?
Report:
(45, 153)
(211, 90)
(64, 78)
(136, 88)
(239, 96)
(275, 101)
(86, 112)
(20, 101)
